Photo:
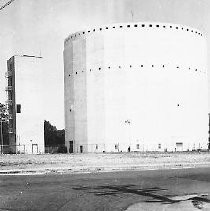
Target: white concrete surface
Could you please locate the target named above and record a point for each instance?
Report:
(137, 85)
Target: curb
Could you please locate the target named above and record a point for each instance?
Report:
(90, 169)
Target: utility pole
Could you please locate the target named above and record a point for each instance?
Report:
(209, 134)
(2, 141)
(132, 15)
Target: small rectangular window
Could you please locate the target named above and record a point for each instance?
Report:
(18, 108)
(10, 109)
(11, 123)
(137, 146)
(11, 66)
(9, 95)
(10, 81)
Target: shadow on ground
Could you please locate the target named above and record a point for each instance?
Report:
(196, 199)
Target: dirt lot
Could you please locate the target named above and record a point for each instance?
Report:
(77, 163)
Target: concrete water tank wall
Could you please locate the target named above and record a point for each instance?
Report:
(137, 85)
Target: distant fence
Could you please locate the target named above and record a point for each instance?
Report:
(31, 149)
(55, 149)
(12, 149)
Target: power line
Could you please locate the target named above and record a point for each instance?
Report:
(7, 4)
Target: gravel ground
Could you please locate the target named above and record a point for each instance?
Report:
(77, 163)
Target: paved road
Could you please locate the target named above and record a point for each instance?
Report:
(106, 191)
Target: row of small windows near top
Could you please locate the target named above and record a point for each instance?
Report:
(138, 25)
(141, 66)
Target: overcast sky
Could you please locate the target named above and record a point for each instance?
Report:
(39, 27)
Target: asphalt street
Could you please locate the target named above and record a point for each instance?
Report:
(128, 190)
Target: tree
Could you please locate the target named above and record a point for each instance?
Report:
(52, 136)
(4, 136)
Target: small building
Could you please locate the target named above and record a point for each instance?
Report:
(25, 104)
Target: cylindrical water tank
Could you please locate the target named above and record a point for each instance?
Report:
(141, 86)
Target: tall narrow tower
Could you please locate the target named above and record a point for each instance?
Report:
(25, 104)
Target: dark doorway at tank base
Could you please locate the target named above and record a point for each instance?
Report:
(71, 147)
